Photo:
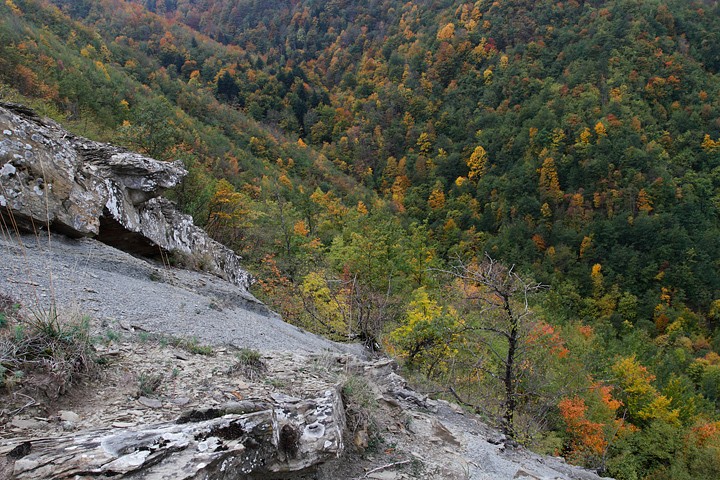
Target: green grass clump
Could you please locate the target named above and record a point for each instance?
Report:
(148, 383)
(248, 356)
(360, 404)
(192, 345)
(44, 342)
(249, 364)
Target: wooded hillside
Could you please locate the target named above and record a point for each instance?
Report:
(358, 154)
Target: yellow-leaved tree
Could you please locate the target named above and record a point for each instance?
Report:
(327, 304)
(229, 214)
(477, 163)
(426, 337)
(549, 182)
(643, 401)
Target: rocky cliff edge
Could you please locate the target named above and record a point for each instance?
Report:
(50, 178)
(195, 378)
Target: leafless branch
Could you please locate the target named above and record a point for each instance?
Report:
(385, 467)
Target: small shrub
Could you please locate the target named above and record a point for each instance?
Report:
(111, 336)
(360, 403)
(44, 343)
(179, 259)
(276, 382)
(193, 346)
(248, 356)
(249, 364)
(198, 349)
(205, 262)
(149, 383)
(198, 262)
(357, 391)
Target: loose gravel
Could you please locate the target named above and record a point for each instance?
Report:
(121, 292)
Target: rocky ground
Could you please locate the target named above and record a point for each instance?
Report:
(139, 309)
(121, 292)
(405, 435)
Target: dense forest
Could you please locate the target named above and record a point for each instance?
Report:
(518, 199)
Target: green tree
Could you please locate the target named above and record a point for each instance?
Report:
(153, 128)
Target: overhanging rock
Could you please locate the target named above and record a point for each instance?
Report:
(50, 178)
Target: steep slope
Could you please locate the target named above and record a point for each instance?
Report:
(52, 181)
(350, 151)
(173, 346)
(123, 292)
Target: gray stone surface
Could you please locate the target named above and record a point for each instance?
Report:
(277, 439)
(123, 294)
(452, 443)
(49, 178)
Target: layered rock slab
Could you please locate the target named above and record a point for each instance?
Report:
(50, 178)
(241, 440)
(415, 437)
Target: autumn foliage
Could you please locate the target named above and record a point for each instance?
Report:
(350, 151)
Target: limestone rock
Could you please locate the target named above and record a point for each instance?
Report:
(150, 402)
(50, 178)
(69, 416)
(238, 441)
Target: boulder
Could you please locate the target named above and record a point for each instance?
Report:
(52, 179)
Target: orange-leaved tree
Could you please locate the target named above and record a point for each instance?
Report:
(591, 424)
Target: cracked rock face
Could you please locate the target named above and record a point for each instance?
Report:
(229, 427)
(233, 445)
(49, 178)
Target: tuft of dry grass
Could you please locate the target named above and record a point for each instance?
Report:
(43, 343)
(360, 405)
(249, 364)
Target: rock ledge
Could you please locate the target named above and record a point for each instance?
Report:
(50, 178)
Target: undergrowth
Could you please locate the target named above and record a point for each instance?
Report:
(192, 345)
(148, 383)
(43, 342)
(360, 405)
(249, 364)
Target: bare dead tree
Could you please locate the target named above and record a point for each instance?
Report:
(499, 297)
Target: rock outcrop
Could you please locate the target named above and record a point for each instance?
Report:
(50, 178)
(241, 440)
(277, 417)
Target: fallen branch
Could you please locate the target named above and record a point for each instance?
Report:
(461, 401)
(385, 467)
(27, 405)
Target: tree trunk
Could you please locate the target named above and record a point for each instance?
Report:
(509, 377)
